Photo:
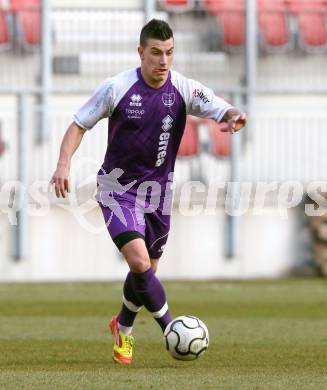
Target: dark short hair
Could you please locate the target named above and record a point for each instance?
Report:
(155, 29)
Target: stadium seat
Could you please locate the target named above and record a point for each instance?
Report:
(311, 18)
(28, 21)
(4, 31)
(214, 6)
(220, 141)
(189, 148)
(190, 141)
(230, 14)
(177, 5)
(273, 23)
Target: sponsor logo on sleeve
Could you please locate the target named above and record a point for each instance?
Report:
(200, 94)
(100, 100)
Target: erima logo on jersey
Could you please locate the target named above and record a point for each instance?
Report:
(164, 139)
(198, 93)
(168, 99)
(135, 100)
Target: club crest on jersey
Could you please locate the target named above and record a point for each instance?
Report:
(168, 99)
(198, 93)
(135, 100)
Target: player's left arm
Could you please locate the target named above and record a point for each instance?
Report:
(201, 101)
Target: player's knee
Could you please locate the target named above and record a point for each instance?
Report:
(136, 256)
(139, 263)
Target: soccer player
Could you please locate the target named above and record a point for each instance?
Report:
(147, 110)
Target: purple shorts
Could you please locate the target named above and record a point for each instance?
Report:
(126, 220)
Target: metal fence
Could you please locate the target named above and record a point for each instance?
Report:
(88, 45)
(283, 88)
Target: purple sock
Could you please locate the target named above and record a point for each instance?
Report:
(131, 304)
(150, 292)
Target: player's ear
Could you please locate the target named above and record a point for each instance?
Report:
(140, 50)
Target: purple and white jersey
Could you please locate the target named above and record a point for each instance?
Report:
(146, 124)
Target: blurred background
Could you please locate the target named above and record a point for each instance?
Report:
(267, 57)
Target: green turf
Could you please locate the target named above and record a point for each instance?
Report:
(263, 335)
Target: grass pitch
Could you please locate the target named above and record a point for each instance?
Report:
(263, 335)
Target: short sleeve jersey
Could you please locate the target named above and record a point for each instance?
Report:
(146, 124)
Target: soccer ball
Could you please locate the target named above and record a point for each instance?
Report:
(186, 338)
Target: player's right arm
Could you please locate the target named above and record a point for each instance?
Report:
(98, 106)
(70, 143)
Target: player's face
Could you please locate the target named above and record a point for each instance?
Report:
(156, 60)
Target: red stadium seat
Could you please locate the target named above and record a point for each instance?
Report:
(4, 31)
(230, 14)
(29, 21)
(189, 149)
(311, 17)
(177, 5)
(273, 23)
(300, 6)
(215, 6)
(190, 141)
(219, 141)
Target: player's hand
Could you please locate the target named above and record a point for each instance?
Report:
(60, 180)
(235, 123)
